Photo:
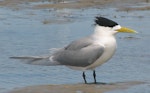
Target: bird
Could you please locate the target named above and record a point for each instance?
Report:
(85, 53)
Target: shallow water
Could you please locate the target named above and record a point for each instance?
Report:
(35, 31)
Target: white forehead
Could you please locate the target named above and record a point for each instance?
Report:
(116, 27)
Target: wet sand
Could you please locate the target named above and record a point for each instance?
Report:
(77, 88)
(91, 3)
(73, 4)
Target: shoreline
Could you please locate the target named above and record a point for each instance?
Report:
(77, 88)
(77, 4)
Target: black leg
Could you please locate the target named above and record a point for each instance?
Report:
(94, 75)
(84, 77)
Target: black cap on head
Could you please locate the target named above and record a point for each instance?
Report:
(101, 21)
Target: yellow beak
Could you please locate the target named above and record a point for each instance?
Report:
(126, 30)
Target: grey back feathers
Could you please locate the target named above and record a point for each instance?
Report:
(79, 53)
(101, 21)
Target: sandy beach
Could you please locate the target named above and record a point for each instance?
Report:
(77, 88)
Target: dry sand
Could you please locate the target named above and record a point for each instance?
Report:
(77, 88)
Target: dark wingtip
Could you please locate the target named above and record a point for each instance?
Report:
(102, 21)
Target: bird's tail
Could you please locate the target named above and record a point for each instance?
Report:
(36, 60)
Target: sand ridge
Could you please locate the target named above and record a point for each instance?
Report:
(77, 88)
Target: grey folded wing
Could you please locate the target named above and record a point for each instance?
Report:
(84, 56)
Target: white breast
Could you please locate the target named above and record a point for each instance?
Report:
(110, 48)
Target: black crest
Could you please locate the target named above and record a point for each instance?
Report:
(101, 21)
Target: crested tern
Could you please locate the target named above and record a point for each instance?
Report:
(86, 53)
